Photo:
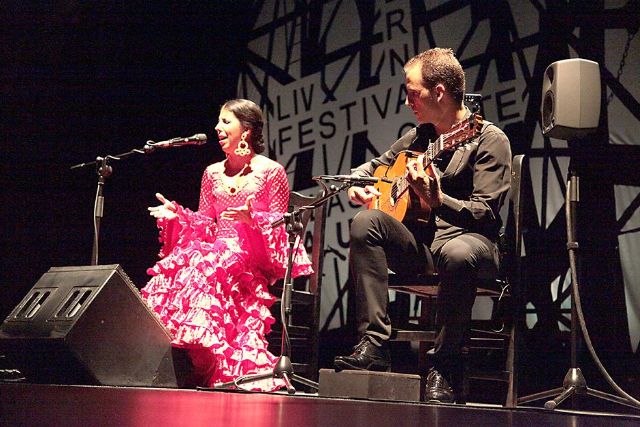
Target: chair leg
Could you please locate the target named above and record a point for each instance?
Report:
(463, 393)
(512, 393)
(423, 347)
(423, 368)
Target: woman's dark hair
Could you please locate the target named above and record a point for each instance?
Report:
(250, 116)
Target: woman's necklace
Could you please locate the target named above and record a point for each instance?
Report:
(233, 184)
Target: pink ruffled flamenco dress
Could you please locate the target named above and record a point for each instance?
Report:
(210, 288)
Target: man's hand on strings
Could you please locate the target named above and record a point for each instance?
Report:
(362, 195)
(425, 181)
(241, 213)
(166, 210)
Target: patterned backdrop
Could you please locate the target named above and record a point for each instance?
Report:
(329, 74)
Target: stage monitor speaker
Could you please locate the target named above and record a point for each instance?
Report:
(570, 98)
(88, 325)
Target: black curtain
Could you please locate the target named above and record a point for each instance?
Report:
(88, 79)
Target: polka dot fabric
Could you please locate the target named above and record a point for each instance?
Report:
(211, 287)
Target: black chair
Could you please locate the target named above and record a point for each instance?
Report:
(499, 334)
(304, 321)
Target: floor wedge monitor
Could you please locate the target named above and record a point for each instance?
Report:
(88, 325)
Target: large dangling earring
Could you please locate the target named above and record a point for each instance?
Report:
(243, 147)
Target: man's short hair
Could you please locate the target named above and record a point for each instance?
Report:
(439, 65)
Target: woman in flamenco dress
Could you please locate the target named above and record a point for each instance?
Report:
(210, 288)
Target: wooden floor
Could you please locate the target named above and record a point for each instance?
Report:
(24, 404)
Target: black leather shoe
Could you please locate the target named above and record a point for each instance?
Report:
(438, 389)
(366, 356)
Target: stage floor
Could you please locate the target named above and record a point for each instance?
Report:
(57, 405)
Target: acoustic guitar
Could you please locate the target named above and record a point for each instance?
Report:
(396, 197)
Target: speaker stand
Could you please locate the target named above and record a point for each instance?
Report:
(574, 383)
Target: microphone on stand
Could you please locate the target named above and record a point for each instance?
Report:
(353, 179)
(197, 139)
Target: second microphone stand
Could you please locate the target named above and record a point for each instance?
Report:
(283, 368)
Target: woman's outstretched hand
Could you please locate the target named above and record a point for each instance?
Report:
(165, 210)
(241, 213)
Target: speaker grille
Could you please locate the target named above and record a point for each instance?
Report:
(33, 303)
(547, 110)
(74, 302)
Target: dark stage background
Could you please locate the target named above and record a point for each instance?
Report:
(82, 80)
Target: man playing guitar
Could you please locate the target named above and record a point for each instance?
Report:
(449, 177)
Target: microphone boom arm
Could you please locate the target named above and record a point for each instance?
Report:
(328, 193)
(104, 170)
(353, 179)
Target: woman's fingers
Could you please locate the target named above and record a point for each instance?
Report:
(165, 210)
(250, 200)
(167, 204)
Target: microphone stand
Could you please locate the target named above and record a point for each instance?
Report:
(104, 170)
(283, 368)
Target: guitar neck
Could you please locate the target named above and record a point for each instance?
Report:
(434, 150)
(461, 133)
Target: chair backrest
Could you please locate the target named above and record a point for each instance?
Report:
(513, 229)
(316, 252)
(308, 290)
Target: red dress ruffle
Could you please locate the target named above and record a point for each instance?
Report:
(211, 287)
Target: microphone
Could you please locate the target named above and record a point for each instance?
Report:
(353, 180)
(197, 139)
